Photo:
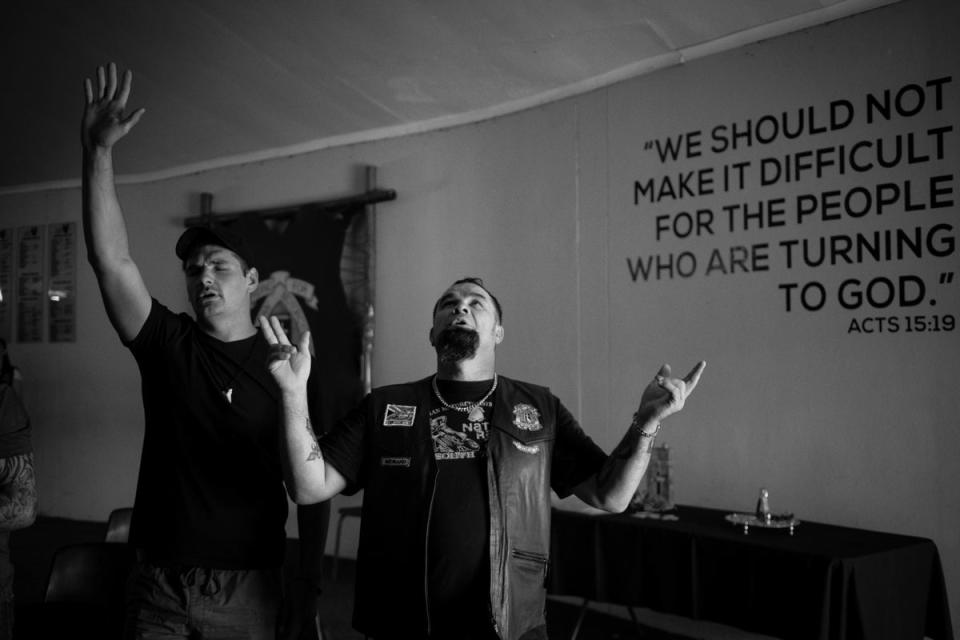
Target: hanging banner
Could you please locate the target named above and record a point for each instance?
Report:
(299, 262)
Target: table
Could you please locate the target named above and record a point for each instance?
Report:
(824, 582)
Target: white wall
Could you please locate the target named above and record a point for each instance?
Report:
(842, 426)
(848, 428)
(841, 421)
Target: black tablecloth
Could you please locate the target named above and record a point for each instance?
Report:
(824, 582)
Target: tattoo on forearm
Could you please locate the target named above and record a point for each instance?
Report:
(18, 492)
(619, 456)
(315, 453)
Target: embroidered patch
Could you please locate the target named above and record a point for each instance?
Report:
(526, 448)
(399, 415)
(526, 417)
(395, 462)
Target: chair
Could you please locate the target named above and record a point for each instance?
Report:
(90, 573)
(84, 595)
(118, 525)
(639, 628)
(342, 512)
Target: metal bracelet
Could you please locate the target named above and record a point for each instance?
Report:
(643, 434)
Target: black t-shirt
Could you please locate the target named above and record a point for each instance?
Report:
(458, 555)
(210, 489)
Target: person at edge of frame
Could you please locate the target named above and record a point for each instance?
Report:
(18, 489)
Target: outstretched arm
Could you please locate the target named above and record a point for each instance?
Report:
(18, 492)
(614, 485)
(308, 477)
(105, 121)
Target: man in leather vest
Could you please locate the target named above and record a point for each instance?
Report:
(457, 470)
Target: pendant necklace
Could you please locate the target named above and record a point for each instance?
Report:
(226, 389)
(475, 411)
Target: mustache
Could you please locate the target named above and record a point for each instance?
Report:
(205, 289)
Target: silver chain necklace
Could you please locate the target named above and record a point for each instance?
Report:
(474, 412)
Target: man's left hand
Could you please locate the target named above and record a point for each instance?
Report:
(665, 396)
(288, 363)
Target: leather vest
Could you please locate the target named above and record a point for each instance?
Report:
(400, 475)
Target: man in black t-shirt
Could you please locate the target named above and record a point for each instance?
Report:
(210, 511)
(457, 470)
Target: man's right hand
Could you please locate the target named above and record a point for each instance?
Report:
(104, 119)
(125, 296)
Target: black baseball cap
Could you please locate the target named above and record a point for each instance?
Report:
(220, 236)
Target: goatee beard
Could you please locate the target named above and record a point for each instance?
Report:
(456, 344)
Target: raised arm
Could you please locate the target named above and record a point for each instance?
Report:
(18, 492)
(307, 476)
(105, 121)
(613, 487)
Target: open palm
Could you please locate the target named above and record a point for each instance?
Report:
(105, 120)
(289, 364)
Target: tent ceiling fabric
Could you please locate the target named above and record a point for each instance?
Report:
(224, 80)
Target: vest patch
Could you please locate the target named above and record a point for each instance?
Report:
(395, 462)
(526, 417)
(526, 448)
(399, 415)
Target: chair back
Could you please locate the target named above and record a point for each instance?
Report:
(118, 525)
(92, 573)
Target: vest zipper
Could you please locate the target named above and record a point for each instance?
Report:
(530, 555)
(491, 484)
(426, 555)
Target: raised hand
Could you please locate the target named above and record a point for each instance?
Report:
(665, 395)
(289, 364)
(104, 114)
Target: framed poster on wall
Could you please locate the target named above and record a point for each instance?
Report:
(62, 282)
(30, 294)
(6, 284)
